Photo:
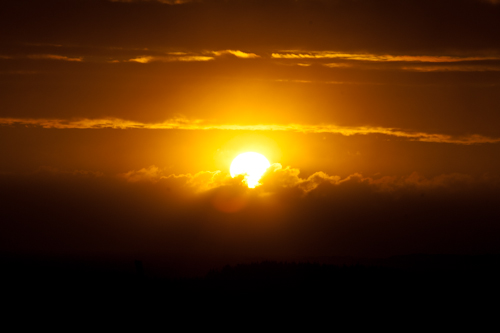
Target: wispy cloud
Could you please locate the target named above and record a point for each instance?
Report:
(43, 57)
(375, 57)
(338, 65)
(148, 59)
(236, 53)
(144, 58)
(448, 68)
(466, 66)
(186, 124)
(371, 83)
(184, 56)
(54, 57)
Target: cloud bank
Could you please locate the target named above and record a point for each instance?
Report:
(209, 216)
(278, 179)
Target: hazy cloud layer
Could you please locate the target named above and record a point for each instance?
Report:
(186, 124)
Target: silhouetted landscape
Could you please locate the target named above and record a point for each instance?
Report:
(406, 280)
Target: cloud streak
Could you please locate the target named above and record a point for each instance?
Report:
(375, 57)
(44, 57)
(448, 68)
(185, 57)
(154, 56)
(198, 124)
(54, 57)
(182, 58)
(236, 53)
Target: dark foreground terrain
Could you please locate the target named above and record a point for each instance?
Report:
(445, 279)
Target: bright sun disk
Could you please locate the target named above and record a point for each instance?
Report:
(252, 165)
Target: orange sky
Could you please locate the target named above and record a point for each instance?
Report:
(119, 120)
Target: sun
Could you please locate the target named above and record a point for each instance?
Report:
(252, 165)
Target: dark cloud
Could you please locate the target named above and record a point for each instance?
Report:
(181, 218)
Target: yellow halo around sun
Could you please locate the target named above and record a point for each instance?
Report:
(252, 165)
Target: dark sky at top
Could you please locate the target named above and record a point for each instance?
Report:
(386, 26)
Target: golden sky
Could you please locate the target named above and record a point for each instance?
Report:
(119, 120)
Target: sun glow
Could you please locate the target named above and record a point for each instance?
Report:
(252, 165)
